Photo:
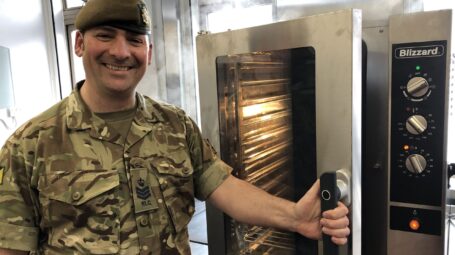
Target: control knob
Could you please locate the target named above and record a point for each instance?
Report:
(417, 87)
(416, 124)
(416, 163)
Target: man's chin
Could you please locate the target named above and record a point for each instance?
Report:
(121, 90)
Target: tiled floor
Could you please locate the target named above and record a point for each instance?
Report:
(198, 231)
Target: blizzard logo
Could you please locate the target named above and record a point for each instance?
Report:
(423, 51)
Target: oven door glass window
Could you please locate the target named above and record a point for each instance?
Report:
(268, 135)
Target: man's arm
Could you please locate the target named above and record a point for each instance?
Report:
(12, 252)
(249, 204)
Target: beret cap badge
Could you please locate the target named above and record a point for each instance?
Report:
(144, 14)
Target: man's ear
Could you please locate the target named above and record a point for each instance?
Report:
(150, 54)
(79, 44)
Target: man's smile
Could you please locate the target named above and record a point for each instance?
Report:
(117, 68)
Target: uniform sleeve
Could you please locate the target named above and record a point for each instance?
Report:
(209, 170)
(17, 214)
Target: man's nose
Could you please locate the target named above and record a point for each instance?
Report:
(120, 48)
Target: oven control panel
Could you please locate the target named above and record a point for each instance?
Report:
(417, 129)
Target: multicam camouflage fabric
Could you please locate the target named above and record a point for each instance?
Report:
(70, 186)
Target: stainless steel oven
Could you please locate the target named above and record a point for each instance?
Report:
(286, 102)
(282, 104)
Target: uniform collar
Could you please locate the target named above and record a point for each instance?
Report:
(79, 116)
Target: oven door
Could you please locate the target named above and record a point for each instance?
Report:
(282, 104)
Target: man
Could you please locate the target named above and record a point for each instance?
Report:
(109, 171)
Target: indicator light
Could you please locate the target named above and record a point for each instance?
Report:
(418, 68)
(406, 147)
(414, 224)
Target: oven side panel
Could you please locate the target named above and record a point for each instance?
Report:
(417, 158)
(374, 142)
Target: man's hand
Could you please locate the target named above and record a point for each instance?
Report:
(333, 222)
(247, 203)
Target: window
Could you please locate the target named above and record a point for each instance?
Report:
(27, 34)
(74, 3)
(236, 18)
(438, 5)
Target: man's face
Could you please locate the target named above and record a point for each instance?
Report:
(114, 59)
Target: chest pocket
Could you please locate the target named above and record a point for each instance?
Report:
(175, 177)
(80, 209)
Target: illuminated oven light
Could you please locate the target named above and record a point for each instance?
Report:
(251, 111)
(265, 137)
(414, 224)
(266, 117)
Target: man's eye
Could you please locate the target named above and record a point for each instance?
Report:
(103, 36)
(135, 41)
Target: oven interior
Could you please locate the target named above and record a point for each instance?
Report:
(268, 135)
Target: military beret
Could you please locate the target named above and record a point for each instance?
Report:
(131, 15)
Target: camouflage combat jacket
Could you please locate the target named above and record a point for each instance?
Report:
(69, 185)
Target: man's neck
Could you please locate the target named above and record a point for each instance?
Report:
(99, 102)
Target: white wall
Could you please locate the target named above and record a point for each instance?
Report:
(431, 5)
(24, 31)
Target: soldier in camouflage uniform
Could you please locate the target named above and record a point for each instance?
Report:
(110, 171)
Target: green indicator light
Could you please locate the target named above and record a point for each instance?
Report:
(418, 68)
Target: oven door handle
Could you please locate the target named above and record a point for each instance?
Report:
(335, 186)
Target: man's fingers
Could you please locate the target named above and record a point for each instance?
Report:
(338, 223)
(335, 223)
(336, 213)
(336, 232)
(314, 188)
(339, 241)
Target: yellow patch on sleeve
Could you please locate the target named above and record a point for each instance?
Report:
(1, 176)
